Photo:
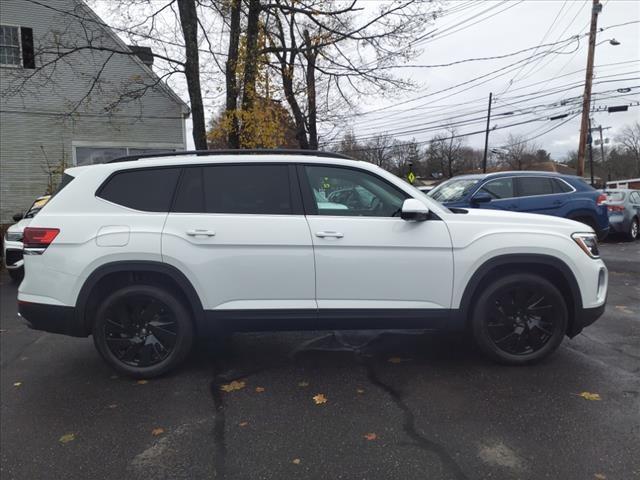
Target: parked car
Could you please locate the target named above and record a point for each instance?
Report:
(545, 193)
(12, 244)
(246, 242)
(623, 206)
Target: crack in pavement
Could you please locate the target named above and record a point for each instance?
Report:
(326, 342)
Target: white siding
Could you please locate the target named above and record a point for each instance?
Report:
(35, 117)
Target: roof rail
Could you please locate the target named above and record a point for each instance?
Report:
(263, 151)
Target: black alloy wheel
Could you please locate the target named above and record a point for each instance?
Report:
(143, 330)
(521, 318)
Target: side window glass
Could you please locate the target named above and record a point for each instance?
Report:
(559, 186)
(253, 189)
(531, 186)
(190, 196)
(499, 188)
(348, 192)
(149, 190)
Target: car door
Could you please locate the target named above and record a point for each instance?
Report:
(238, 231)
(502, 191)
(367, 257)
(537, 195)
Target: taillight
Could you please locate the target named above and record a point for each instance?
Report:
(615, 208)
(601, 199)
(39, 237)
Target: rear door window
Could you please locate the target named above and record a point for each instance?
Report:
(499, 188)
(532, 186)
(248, 189)
(149, 189)
(560, 186)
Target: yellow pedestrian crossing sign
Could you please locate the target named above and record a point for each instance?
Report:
(411, 177)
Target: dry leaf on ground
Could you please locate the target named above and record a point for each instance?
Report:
(157, 431)
(320, 399)
(600, 476)
(113, 405)
(243, 424)
(142, 382)
(371, 436)
(17, 384)
(296, 461)
(259, 389)
(235, 385)
(67, 437)
(303, 384)
(360, 391)
(590, 396)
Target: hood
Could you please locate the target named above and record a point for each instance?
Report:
(507, 218)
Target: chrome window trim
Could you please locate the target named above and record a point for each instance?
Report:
(573, 190)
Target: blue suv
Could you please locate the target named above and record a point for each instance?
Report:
(546, 193)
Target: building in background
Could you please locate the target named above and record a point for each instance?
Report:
(72, 93)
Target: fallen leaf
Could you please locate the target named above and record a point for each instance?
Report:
(397, 360)
(590, 396)
(67, 437)
(142, 382)
(157, 431)
(296, 461)
(243, 424)
(600, 476)
(113, 405)
(235, 385)
(371, 436)
(303, 384)
(360, 391)
(320, 399)
(17, 384)
(624, 309)
(259, 389)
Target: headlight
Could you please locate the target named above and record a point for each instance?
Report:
(588, 242)
(13, 236)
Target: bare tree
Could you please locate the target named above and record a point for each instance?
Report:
(446, 149)
(630, 141)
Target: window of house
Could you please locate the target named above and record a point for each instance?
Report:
(92, 155)
(10, 46)
(124, 188)
(16, 46)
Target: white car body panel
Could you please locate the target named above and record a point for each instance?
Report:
(278, 262)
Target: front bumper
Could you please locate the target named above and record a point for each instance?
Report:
(52, 318)
(585, 317)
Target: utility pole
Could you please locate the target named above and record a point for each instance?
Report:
(600, 128)
(590, 143)
(586, 100)
(486, 136)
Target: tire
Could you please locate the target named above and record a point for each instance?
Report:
(16, 275)
(143, 331)
(633, 232)
(519, 319)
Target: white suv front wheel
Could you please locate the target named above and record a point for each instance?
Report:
(143, 330)
(519, 318)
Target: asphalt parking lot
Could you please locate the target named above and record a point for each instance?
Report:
(388, 405)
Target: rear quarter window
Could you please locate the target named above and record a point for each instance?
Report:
(149, 190)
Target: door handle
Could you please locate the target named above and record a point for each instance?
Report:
(329, 235)
(196, 232)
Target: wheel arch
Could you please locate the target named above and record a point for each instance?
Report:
(551, 268)
(129, 272)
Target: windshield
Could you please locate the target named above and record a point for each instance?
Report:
(453, 190)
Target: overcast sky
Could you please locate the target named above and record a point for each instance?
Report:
(527, 92)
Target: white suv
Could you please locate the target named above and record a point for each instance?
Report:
(147, 253)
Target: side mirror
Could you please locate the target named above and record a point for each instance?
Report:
(18, 216)
(481, 197)
(415, 210)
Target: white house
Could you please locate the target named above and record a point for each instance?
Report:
(72, 93)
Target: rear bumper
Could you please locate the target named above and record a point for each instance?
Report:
(52, 318)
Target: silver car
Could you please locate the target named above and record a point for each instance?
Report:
(623, 206)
